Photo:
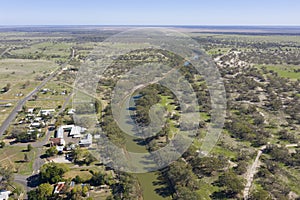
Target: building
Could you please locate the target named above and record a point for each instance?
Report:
(59, 187)
(76, 131)
(36, 125)
(30, 110)
(4, 195)
(47, 112)
(60, 148)
(87, 141)
(71, 111)
(60, 131)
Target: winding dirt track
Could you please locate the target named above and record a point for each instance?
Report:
(251, 172)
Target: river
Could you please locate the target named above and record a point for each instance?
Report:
(148, 181)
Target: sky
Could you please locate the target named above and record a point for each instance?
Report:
(149, 12)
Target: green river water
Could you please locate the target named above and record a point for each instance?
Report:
(147, 180)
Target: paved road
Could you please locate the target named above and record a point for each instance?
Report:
(20, 104)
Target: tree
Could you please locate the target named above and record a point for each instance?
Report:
(2, 144)
(7, 177)
(208, 165)
(232, 184)
(97, 179)
(26, 159)
(85, 190)
(76, 193)
(29, 147)
(82, 156)
(52, 172)
(22, 136)
(183, 193)
(33, 195)
(78, 179)
(45, 190)
(181, 174)
(52, 151)
(89, 159)
(241, 168)
(260, 194)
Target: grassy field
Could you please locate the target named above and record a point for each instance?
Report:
(21, 74)
(51, 99)
(84, 175)
(48, 50)
(13, 158)
(283, 70)
(5, 111)
(99, 195)
(217, 51)
(16, 69)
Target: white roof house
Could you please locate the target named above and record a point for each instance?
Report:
(47, 112)
(36, 125)
(71, 111)
(38, 119)
(4, 195)
(75, 131)
(87, 141)
(60, 148)
(30, 110)
(8, 105)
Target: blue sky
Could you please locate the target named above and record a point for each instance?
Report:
(149, 12)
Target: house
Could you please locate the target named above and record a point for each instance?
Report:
(47, 112)
(4, 195)
(64, 92)
(72, 184)
(36, 125)
(60, 148)
(76, 131)
(71, 111)
(59, 187)
(45, 90)
(6, 105)
(71, 147)
(87, 141)
(30, 110)
(97, 136)
(38, 119)
(60, 131)
(31, 131)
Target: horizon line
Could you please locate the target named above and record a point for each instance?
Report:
(160, 25)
